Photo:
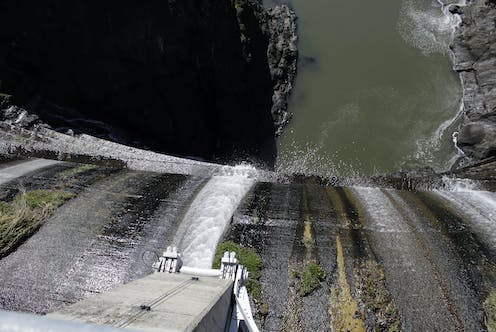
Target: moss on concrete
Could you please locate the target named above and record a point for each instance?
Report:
(72, 172)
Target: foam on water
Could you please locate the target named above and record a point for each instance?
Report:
(431, 29)
(210, 213)
(428, 147)
(428, 28)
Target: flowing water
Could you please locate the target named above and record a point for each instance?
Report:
(209, 215)
(375, 91)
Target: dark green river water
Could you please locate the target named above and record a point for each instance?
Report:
(375, 91)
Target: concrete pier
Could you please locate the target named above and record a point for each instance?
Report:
(158, 302)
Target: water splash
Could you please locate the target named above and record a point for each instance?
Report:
(309, 159)
(210, 213)
(459, 185)
(243, 170)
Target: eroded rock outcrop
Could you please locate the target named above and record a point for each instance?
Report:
(192, 78)
(474, 50)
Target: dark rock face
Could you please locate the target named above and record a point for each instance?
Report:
(283, 56)
(474, 50)
(185, 77)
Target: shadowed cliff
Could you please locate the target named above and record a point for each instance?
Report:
(184, 77)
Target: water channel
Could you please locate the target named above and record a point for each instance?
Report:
(375, 91)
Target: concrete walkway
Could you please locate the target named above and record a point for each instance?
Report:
(158, 302)
(20, 169)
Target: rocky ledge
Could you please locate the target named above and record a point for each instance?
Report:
(474, 49)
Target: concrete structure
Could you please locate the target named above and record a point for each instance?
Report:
(19, 169)
(159, 302)
(23, 322)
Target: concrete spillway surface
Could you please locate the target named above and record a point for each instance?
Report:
(108, 235)
(10, 172)
(432, 253)
(421, 260)
(112, 231)
(172, 302)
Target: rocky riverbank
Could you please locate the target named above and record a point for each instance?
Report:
(206, 79)
(474, 49)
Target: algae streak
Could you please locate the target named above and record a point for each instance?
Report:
(344, 310)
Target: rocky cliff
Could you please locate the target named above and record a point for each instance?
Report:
(474, 49)
(192, 78)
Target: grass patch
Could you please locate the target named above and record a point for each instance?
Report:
(310, 278)
(246, 256)
(490, 311)
(39, 199)
(5, 208)
(25, 214)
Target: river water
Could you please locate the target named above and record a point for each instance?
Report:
(375, 91)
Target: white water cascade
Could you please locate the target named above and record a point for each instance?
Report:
(210, 213)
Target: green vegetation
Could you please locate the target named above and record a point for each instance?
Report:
(490, 310)
(246, 256)
(311, 278)
(72, 172)
(5, 208)
(25, 214)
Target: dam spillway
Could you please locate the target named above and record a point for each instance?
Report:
(426, 253)
(429, 255)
